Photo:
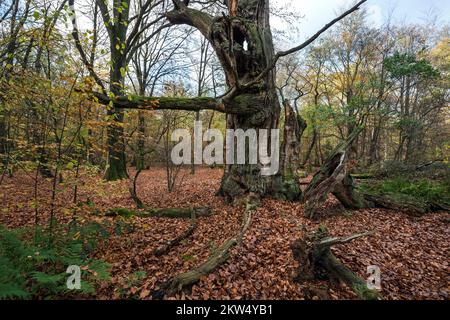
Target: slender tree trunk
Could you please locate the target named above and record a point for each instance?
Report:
(140, 161)
(311, 147)
(116, 169)
(374, 144)
(140, 157)
(3, 135)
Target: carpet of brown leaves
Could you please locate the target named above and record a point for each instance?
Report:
(411, 252)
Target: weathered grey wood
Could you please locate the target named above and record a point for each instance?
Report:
(316, 260)
(331, 174)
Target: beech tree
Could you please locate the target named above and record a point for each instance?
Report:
(126, 23)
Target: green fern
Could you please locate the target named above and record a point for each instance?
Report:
(30, 268)
(47, 279)
(11, 291)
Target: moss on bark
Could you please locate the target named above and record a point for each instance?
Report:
(166, 212)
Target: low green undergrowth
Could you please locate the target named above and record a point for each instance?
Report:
(424, 190)
(33, 262)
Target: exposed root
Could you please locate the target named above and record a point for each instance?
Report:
(219, 256)
(165, 248)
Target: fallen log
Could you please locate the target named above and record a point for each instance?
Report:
(362, 176)
(406, 204)
(162, 212)
(219, 256)
(353, 198)
(316, 261)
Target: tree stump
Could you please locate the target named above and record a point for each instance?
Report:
(330, 175)
(313, 252)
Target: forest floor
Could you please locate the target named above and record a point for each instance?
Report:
(412, 253)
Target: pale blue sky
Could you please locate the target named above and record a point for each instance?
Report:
(317, 13)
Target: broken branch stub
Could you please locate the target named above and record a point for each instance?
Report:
(331, 174)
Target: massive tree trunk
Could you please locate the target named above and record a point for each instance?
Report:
(244, 46)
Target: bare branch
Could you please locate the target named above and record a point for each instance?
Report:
(303, 45)
(333, 241)
(80, 49)
(195, 18)
(137, 29)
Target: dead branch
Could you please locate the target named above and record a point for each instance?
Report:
(185, 213)
(330, 175)
(166, 247)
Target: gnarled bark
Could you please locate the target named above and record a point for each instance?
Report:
(330, 175)
(243, 43)
(349, 196)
